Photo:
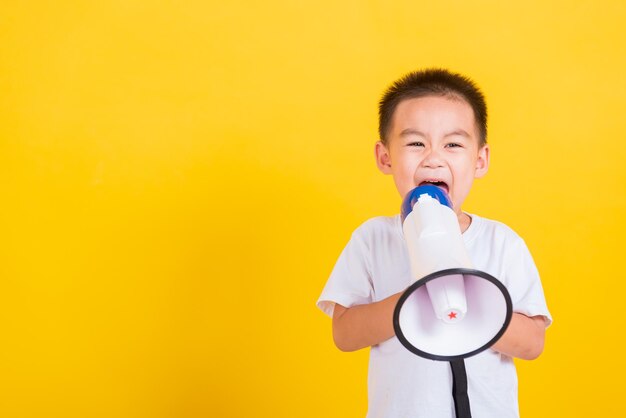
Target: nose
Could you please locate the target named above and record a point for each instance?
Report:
(432, 159)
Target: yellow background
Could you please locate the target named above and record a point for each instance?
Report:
(179, 177)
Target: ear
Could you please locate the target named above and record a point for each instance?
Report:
(482, 163)
(383, 158)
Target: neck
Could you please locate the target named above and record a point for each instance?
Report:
(464, 221)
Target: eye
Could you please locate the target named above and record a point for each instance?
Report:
(454, 145)
(415, 144)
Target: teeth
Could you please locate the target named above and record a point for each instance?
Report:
(435, 182)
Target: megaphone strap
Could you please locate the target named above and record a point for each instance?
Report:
(459, 389)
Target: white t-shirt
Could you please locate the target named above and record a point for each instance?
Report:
(374, 265)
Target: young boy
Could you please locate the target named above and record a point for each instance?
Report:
(433, 129)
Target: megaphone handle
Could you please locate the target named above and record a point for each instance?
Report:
(459, 389)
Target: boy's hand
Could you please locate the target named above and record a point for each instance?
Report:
(364, 325)
(524, 338)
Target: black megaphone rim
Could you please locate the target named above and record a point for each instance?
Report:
(421, 282)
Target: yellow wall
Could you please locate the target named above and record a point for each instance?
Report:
(178, 178)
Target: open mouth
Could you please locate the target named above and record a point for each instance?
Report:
(441, 184)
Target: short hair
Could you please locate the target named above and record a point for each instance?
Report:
(432, 82)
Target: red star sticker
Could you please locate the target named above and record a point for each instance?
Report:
(452, 315)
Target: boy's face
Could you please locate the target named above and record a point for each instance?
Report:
(434, 139)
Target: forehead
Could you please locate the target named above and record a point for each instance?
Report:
(434, 114)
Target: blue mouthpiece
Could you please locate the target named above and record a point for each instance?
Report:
(411, 198)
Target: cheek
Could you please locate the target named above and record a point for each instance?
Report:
(404, 180)
(403, 169)
(464, 183)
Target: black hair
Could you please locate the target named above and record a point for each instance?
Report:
(432, 82)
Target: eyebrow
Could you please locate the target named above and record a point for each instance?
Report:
(411, 131)
(460, 132)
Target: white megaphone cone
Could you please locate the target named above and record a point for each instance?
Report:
(451, 311)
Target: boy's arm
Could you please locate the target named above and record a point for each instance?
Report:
(362, 326)
(365, 325)
(523, 338)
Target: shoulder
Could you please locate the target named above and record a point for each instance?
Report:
(499, 250)
(379, 235)
(378, 227)
(488, 229)
(378, 223)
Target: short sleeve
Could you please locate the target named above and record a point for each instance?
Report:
(523, 282)
(350, 281)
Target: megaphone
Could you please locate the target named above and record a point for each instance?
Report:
(451, 311)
